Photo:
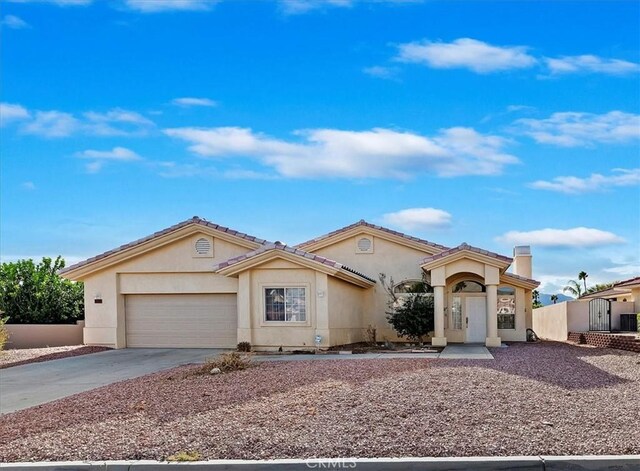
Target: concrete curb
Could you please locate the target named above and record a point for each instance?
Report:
(479, 463)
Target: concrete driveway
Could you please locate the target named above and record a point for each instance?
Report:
(36, 383)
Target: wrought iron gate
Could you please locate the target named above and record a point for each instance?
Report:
(600, 314)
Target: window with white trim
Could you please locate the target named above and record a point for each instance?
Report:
(285, 304)
(506, 307)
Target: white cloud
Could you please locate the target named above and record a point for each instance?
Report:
(117, 122)
(14, 22)
(465, 53)
(117, 153)
(418, 219)
(624, 270)
(376, 153)
(155, 6)
(12, 112)
(190, 101)
(62, 3)
(590, 64)
(298, 7)
(52, 124)
(378, 71)
(30, 186)
(574, 129)
(99, 157)
(575, 237)
(595, 182)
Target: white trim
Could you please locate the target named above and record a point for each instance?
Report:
(263, 305)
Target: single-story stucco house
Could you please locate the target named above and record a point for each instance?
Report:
(198, 284)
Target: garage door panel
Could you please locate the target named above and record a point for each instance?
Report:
(181, 320)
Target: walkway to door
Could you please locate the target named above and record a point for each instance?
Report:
(465, 352)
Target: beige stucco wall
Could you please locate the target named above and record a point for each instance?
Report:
(555, 321)
(346, 312)
(396, 261)
(168, 269)
(272, 335)
(550, 322)
(44, 335)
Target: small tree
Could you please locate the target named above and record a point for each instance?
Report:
(554, 298)
(33, 293)
(535, 294)
(573, 288)
(411, 315)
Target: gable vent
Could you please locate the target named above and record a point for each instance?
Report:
(203, 246)
(364, 245)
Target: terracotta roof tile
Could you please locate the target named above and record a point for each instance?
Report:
(168, 230)
(291, 250)
(523, 278)
(470, 248)
(363, 223)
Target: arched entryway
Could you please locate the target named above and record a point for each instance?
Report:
(466, 309)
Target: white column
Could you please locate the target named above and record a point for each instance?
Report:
(492, 317)
(438, 340)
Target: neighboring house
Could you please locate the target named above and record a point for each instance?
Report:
(198, 284)
(627, 290)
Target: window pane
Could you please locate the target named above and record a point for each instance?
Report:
(274, 304)
(295, 305)
(506, 290)
(456, 313)
(506, 312)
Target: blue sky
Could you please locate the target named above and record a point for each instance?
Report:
(491, 123)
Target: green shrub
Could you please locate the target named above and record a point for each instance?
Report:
(4, 333)
(244, 347)
(185, 456)
(33, 293)
(227, 362)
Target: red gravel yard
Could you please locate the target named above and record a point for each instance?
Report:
(546, 398)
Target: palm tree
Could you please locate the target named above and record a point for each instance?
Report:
(583, 276)
(554, 298)
(573, 288)
(536, 296)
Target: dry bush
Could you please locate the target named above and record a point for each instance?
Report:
(227, 362)
(185, 456)
(4, 333)
(244, 347)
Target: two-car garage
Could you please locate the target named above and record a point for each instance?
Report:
(181, 320)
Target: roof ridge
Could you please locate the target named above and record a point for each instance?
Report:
(364, 223)
(470, 248)
(292, 250)
(160, 233)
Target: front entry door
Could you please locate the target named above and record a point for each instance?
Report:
(476, 319)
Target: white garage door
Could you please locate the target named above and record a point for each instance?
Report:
(181, 320)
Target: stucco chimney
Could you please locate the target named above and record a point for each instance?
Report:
(522, 261)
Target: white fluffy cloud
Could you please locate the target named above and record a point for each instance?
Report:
(465, 53)
(574, 129)
(57, 124)
(624, 270)
(595, 182)
(298, 7)
(62, 3)
(98, 158)
(418, 219)
(575, 237)
(376, 153)
(187, 102)
(12, 112)
(14, 22)
(52, 124)
(381, 72)
(590, 64)
(155, 6)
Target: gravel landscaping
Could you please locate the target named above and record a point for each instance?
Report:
(546, 398)
(22, 356)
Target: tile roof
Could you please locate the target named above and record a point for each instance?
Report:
(168, 230)
(363, 223)
(293, 251)
(470, 248)
(630, 281)
(522, 278)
